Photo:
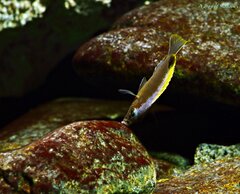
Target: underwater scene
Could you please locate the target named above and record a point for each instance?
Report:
(111, 96)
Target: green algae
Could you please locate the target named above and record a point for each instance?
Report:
(141, 181)
(18, 12)
(207, 153)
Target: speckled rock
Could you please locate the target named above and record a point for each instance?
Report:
(120, 57)
(83, 157)
(47, 117)
(139, 40)
(216, 170)
(220, 176)
(207, 153)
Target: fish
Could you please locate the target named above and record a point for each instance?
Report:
(150, 90)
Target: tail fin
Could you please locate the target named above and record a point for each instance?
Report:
(176, 42)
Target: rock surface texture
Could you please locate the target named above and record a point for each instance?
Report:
(208, 66)
(83, 157)
(216, 170)
(43, 119)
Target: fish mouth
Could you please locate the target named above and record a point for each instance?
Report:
(125, 122)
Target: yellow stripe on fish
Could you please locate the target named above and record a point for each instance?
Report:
(149, 91)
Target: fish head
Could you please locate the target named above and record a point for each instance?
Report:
(136, 111)
(131, 116)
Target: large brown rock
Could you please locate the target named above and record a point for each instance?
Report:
(216, 170)
(120, 58)
(207, 67)
(47, 117)
(83, 157)
(220, 176)
(54, 114)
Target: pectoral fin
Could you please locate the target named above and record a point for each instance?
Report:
(144, 80)
(123, 91)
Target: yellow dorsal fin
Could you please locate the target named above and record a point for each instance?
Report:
(176, 42)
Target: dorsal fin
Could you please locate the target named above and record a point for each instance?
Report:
(123, 91)
(176, 42)
(143, 81)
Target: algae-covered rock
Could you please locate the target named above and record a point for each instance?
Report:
(82, 157)
(120, 57)
(167, 164)
(208, 66)
(36, 34)
(16, 13)
(220, 176)
(49, 116)
(207, 153)
(216, 170)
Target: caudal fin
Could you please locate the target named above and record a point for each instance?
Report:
(176, 42)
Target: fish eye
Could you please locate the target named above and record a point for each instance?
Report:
(171, 61)
(133, 113)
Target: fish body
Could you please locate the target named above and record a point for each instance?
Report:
(150, 90)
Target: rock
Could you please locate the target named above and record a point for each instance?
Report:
(121, 56)
(163, 168)
(36, 35)
(47, 117)
(207, 153)
(5, 188)
(139, 40)
(82, 157)
(167, 164)
(221, 176)
(14, 13)
(216, 170)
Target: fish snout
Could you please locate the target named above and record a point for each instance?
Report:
(125, 122)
